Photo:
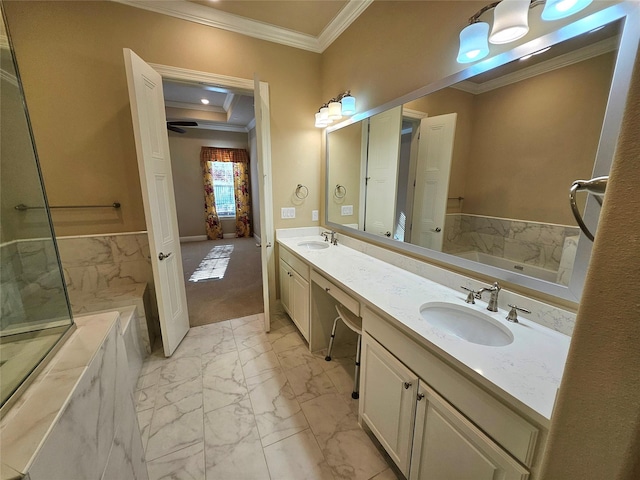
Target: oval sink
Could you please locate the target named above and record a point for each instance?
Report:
(314, 245)
(467, 324)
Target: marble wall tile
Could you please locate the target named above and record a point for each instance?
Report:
(232, 444)
(88, 419)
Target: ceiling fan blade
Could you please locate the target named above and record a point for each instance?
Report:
(175, 129)
(183, 123)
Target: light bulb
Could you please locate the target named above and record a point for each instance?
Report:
(473, 42)
(557, 9)
(510, 21)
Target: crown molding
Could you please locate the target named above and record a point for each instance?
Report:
(238, 85)
(194, 12)
(341, 22)
(413, 114)
(585, 53)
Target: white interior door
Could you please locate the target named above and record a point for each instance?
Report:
(154, 166)
(263, 141)
(382, 171)
(435, 151)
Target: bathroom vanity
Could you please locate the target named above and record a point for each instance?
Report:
(440, 405)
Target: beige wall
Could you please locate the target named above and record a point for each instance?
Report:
(346, 153)
(70, 56)
(527, 176)
(187, 174)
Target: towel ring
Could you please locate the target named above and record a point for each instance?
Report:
(302, 192)
(340, 188)
(596, 187)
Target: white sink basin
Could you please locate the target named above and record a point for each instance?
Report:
(466, 323)
(314, 245)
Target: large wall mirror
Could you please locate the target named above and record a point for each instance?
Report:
(475, 170)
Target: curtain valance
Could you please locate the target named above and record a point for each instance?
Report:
(216, 154)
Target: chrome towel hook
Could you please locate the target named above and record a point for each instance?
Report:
(302, 192)
(340, 188)
(596, 186)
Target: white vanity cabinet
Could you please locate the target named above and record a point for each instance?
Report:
(294, 290)
(433, 422)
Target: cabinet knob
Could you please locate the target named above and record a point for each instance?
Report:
(407, 385)
(327, 289)
(420, 396)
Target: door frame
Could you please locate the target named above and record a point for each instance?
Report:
(246, 86)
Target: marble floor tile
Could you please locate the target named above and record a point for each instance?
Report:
(286, 338)
(144, 422)
(212, 328)
(309, 381)
(388, 474)
(258, 342)
(299, 355)
(297, 457)
(232, 444)
(255, 361)
(146, 398)
(222, 380)
(278, 413)
(176, 370)
(177, 418)
(349, 451)
(185, 464)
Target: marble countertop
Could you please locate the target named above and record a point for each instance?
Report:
(528, 370)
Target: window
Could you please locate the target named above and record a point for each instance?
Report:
(223, 188)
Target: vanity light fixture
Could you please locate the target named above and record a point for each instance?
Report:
(510, 23)
(343, 105)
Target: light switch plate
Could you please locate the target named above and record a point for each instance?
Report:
(314, 215)
(288, 212)
(346, 210)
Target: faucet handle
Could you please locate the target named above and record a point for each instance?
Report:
(512, 316)
(471, 296)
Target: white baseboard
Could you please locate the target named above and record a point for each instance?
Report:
(229, 235)
(195, 238)
(258, 239)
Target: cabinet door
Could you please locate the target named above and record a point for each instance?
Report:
(285, 286)
(449, 447)
(299, 302)
(388, 400)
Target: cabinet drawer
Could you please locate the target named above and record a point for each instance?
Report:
(342, 297)
(294, 262)
(507, 428)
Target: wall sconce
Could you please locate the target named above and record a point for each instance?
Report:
(344, 105)
(510, 23)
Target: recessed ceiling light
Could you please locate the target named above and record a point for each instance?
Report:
(204, 101)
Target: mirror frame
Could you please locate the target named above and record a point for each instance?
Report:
(629, 14)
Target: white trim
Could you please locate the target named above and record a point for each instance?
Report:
(211, 17)
(414, 114)
(194, 238)
(238, 85)
(228, 235)
(226, 127)
(341, 22)
(251, 125)
(194, 106)
(258, 239)
(560, 61)
(228, 100)
(141, 232)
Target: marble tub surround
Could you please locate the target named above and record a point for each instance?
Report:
(98, 268)
(77, 420)
(526, 373)
(533, 243)
(254, 405)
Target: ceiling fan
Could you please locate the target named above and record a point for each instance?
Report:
(173, 126)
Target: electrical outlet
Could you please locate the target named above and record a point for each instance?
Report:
(346, 210)
(288, 212)
(314, 215)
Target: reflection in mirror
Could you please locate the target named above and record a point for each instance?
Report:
(480, 170)
(34, 308)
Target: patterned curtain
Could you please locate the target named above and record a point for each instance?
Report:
(214, 228)
(240, 159)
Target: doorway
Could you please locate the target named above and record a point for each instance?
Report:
(223, 277)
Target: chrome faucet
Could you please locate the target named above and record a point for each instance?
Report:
(334, 237)
(492, 306)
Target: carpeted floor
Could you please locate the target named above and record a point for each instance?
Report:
(238, 293)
